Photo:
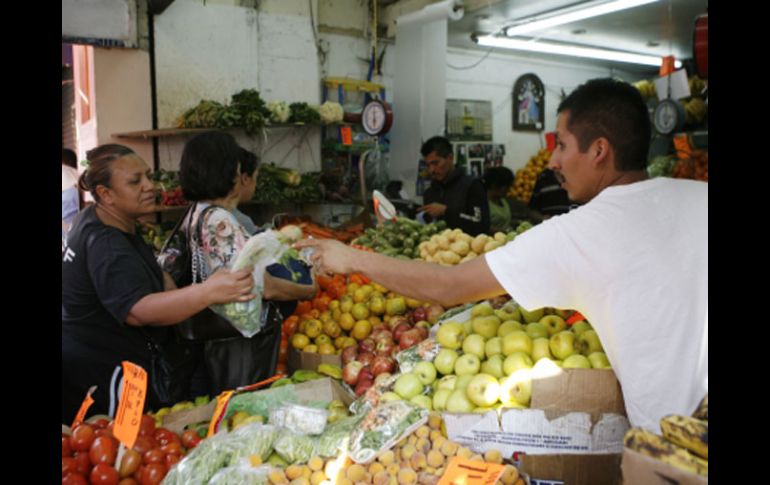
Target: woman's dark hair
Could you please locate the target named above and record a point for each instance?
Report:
(99, 170)
(210, 162)
(496, 177)
(249, 162)
(614, 110)
(69, 158)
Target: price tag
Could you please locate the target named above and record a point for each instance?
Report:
(219, 411)
(682, 145)
(466, 472)
(131, 407)
(347, 135)
(84, 407)
(666, 66)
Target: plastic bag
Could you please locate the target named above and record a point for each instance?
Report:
(371, 397)
(242, 473)
(295, 448)
(425, 351)
(200, 464)
(251, 439)
(300, 419)
(384, 426)
(335, 439)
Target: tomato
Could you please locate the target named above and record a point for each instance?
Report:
(153, 474)
(68, 465)
(172, 459)
(129, 463)
(155, 455)
(82, 437)
(100, 423)
(143, 444)
(172, 447)
(165, 436)
(84, 462)
(103, 474)
(104, 450)
(103, 432)
(66, 449)
(147, 426)
(190, 439)
(303, 307)
(128, 481)
(74, 479)
(283, 353)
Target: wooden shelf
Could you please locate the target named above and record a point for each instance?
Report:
(193, 131)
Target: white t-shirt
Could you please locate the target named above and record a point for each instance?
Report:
(634, 262)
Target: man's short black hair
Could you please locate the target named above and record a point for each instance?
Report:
(209, 165)
(437, 144)
(495, 177)
(69, 158)
(614, 110)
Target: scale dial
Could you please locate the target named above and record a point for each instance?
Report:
(376, 118)
(669, 117)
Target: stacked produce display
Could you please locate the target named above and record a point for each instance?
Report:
(453, 246)
(525, 179)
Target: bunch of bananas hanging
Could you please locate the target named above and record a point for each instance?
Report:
(646, 88)
(525, 178)
(684, 444)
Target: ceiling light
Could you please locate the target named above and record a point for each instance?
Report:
(565, 16)
(572, 50)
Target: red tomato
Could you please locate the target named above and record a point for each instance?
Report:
(190, 439)
(283, 353)
(153, 474)
(104, 450)
(129, 464)
(155, 455)
(100, 423)
(82, 437)
(128, 481)
(103, 474)
(74, 479)
(165, 436)
(68, 465)
(143, 444)
(172, 459)
(103, 432)
(84, 462)
(172, 447)
(66, 450)
(147, 426)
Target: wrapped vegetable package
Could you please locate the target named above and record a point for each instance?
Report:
(295, 448)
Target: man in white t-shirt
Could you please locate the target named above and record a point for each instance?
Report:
(633, 259)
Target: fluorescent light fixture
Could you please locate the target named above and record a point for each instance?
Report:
(571, 50)
(594, 9)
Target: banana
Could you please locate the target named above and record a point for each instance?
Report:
(702, 412)
(304, 375)
(687, 432)
(333, 371)
(657, 447)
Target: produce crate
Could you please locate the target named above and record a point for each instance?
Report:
(310, 360)
(639, 469)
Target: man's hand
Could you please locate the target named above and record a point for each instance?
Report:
(330, 256)
(435, 209)
(226, 286)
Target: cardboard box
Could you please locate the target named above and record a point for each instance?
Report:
(570, 469)
(178, 420)
(639, 469)
(310, 360)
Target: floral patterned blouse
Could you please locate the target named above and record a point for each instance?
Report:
(222, 236)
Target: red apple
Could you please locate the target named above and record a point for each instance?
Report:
(424, 324)
(434, 312)
(352, 372)
(385, 347)
(366, 345)
(381, 334)
(349, 354)
(383, 363)
(400, 329)
(363, 386)
(409, 338)
(365, 358)
(423, 331)
(396, 320)
(378, 328)
(420, 313)
(366, 374)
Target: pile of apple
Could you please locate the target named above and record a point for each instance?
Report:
(486, 362)
(420, 458)
(90, 451)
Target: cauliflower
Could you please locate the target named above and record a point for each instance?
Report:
(279, 111)
(331, 112)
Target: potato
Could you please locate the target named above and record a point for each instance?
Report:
(449, 257)
(500, 237)
(432, 247)
(491, 245)
(443, 242)
(462, 248)
(477, 245)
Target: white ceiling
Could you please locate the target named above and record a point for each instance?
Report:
(668, 23)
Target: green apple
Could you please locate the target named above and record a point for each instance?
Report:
(390, 396)
(467, 364)
(536, 330)
(440, 398)
(553, 323)
(482, 310)
(508, 326)
(445, 361)
(516, 361)
(483, 390)
(462, 381)
(474, 344)
(508, 313)
(450, 335)
(532, 316)
(426, 372)
(423, 401)
(486, 326)
(447, 382)
(540, 349)
(517, 341)
(545, 368)
(408, 385)
(588, 343)
(517, 388)
(458, 402)
(599, 360)
(579, 327)
(493, 346)
(577, 361)
(563, 344)
(468, 327)
(493, 366)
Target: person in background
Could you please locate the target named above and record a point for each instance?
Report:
(548, 197)
(453, 195)
(248, 179)
(115, 298)
(210, 176)
(505, 213)
(70, 196)
(633, 259)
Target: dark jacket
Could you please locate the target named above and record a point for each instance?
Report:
(466, 201)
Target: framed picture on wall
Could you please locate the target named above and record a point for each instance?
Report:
(477, 168)
(528, 103)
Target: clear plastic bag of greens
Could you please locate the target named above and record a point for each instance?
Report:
(295, 448)
(383, 427)
(201, 463)
(300, 419)
(242, 473)
(425, 351)
(250, 440)
(335, 439)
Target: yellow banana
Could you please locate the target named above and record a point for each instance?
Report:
(702, 412)
(330, 370)
(657, 447)
(687, 432)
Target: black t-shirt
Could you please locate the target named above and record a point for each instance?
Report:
(548, 197)
(466, 201)
(105, 272)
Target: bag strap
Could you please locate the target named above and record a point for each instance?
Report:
(178, 225)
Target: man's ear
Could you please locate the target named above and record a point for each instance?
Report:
(600, 151)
